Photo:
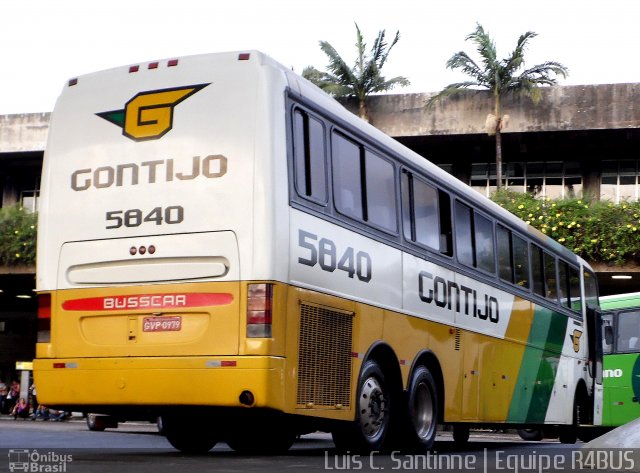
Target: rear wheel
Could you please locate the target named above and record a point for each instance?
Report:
(422, 410)
(373, 407)
(189, 434)
(530, 434)
(99, 422)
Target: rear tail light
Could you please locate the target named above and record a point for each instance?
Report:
(44, 318)
(259, 310)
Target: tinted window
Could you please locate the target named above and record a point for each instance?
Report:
(484, 243)
(574, 289)
(520, 261)
(309, 155)
(407, 206)
(426, 214)
(537, 271)
(591, 289)
(628, 339)
(427, 220)
(503, 243)
(464, 242)
(550, 277)
(346, 177)
(381, 192)
(563, 284)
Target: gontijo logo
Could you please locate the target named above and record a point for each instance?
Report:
(149, 115)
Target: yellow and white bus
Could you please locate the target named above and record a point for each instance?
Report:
(224, 245)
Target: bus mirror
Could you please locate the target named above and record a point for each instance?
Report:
(608, 335)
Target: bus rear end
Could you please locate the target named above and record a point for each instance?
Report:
(150, 203)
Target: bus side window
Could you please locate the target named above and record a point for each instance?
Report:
(574, 289)
(590, 289)
(474, 239)
(446, 232)
(347, 182)
(551, 281)
(569, 286)
(364, 184)
(485, 255)
(520, 261)
(537, 271)
(380, 192)
(426, 214)
(628, 331)
(464, 235)
(309, 157)
(505, 256)
(564, 290)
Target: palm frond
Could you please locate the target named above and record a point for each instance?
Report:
(463, 62)
(364, 77)
(485, 46)
(455, 89)
(546, 69)
(337, 66)
(516, 60)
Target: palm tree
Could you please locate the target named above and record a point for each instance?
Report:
(500, 77)
(361, 80)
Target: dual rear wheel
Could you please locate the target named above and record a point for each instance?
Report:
(384, 420)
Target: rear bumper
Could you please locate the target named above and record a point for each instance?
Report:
(154, 381)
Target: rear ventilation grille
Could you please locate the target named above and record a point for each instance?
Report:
(324, 363)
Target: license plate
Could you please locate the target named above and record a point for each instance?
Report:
(162, 324)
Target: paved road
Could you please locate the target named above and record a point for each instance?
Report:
(69, 447)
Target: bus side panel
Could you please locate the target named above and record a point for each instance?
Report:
(539, 368)
(621, 388)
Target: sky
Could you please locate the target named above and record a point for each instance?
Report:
(46, 42)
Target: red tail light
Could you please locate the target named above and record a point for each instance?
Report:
(259, 310)
(44, 318)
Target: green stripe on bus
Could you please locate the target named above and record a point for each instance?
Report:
(539, 367)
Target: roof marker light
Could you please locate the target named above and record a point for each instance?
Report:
(172, 63)
(73, 82)
(153, 65)
(244, 56)
(134, 69)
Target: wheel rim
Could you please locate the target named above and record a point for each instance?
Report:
(372, 408)
(423, 411)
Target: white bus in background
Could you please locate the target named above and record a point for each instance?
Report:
(224, 245)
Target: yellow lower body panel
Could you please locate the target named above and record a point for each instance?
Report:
(203, 381)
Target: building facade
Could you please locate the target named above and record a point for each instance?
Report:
(22, 142)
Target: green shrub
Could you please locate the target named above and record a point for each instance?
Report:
(598, 231)
(17, 236)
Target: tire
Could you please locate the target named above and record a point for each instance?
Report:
(189, 435)
(159, 425)
(98, 422)
(461, 434)
(530, 434)
(421, 423)
(370, 429)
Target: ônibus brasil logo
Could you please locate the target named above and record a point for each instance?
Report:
(149, 115)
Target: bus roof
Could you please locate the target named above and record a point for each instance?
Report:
(620, 301)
